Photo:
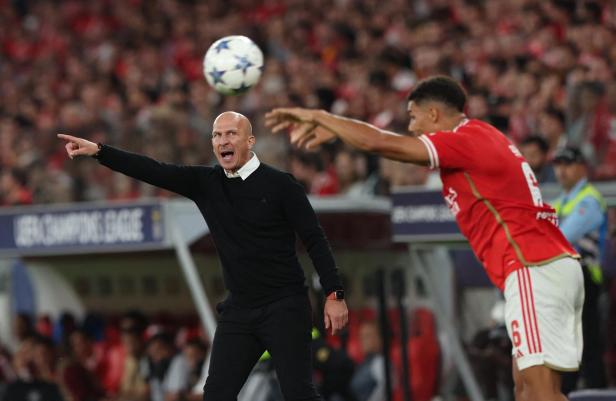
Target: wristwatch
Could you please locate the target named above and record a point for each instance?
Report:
(337, 295)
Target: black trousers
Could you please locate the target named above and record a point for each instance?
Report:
(283, 328)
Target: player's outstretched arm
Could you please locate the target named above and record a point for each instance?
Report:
(310, 128)
(179, 179)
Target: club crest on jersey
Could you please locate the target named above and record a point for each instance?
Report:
(451, 200)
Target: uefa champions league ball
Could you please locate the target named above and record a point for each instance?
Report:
(233, 64)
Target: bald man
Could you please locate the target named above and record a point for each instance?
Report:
(253, 212)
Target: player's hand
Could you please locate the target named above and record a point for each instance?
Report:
(78, 146)
(302, 125)
(336, 315)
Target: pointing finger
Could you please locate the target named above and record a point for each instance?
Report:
(68, 137)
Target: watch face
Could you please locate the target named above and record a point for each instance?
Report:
(339, 294)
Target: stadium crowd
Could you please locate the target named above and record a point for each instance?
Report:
(130, 74)
(163, 358)
(126, 359)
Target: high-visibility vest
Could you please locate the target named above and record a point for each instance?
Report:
(590, 245)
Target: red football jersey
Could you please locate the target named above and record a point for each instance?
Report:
(495, 197)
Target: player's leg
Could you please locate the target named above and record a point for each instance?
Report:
(526, 388)
(518, 384)
(286, 332)
(539, 383)
(235, 350)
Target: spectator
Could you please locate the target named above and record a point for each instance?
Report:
(552, 128)
(167, 371)
(64, 327)
(78, 376)
(13, 192)
(44, 358)
(346, 172)
(195, 352)
(23, 327)
(535, 150)
(44, 325)
(351, 171)
(368, 383)
(607, 167)
(133, 384)
(587, 119)
(583, 220)
(308, 170)
(23, 358)
(35, 389)
(40, 383)
(7, 373)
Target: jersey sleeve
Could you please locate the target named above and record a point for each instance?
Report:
(448, 149)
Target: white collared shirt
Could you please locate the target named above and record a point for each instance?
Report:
(248, 168)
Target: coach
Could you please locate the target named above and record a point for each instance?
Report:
(253, 212)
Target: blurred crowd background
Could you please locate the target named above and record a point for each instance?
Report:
(134, 357)
(130, 74)
(129, 358)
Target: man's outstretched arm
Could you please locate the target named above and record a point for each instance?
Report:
(310, 128)
(179, 179)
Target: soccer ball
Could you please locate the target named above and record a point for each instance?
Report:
(233, 64)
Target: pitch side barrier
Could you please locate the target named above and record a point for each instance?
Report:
(141, 226)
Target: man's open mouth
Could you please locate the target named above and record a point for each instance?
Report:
(227, 155)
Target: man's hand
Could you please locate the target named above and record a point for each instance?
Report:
(78, 146)
(305, 131)
(336, 315)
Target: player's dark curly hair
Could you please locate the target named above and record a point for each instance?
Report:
(441, 89)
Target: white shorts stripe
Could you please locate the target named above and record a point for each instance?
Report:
(527, 311)
(523, 302)
(533, 311)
